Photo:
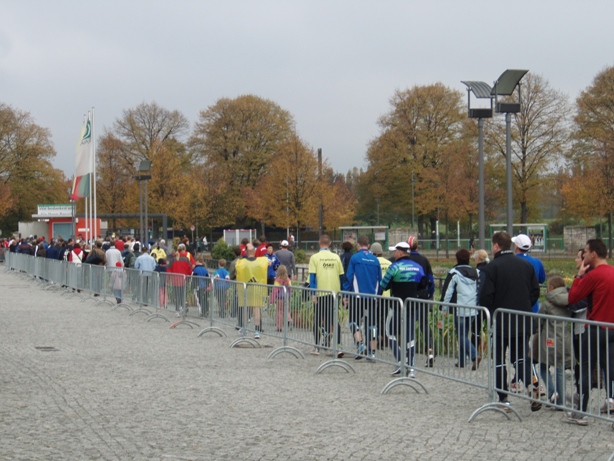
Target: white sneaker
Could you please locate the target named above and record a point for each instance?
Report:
(576, 418)
(608, 406)
(256, 335)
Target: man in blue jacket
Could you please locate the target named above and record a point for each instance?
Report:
(363, 276)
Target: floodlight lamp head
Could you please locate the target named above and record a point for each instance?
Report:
(481, 90)
(144, 165)
(507, 82)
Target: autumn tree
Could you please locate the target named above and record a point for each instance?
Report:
(27, 177)
(146, 128)
(146, 132)
(239, 138)
(116, 187)
(288, 194)
(593, 154)
(539, 133)
(422, 125)
(338, 198)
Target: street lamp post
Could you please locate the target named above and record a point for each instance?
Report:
(504, 86)
(413, 181)
(482, 91)
(144, 166)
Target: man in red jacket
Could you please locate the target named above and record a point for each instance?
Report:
(181, 264)
(597, 343)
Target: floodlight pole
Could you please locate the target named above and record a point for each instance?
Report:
(481, 91)
(504, 86)
(321, 207)
(481, 236)
(144, 166)
(140, 211)
(146, 228)
(508, 172)
(413, 182)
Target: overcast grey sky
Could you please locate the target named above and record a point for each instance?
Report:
(332, 64)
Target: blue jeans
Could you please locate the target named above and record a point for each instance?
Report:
(560, 382)
(462, 325)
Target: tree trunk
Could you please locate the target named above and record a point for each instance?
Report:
(524, 212)
(447, 236)
(610, 234)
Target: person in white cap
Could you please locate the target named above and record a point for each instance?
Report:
(405, 278)
(286, 258)
(522, 245)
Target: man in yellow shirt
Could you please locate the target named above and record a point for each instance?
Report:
(325, 273)
(252, 270)
(158, 252)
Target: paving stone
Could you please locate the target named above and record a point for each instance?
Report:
(118, 388)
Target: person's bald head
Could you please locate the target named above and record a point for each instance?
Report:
(251, 250)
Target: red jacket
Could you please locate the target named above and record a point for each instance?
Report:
(261, 250)
(600, 283)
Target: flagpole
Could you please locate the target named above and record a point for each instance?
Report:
(94, 154)
(89, 198)
(86, 201)
(94, 174)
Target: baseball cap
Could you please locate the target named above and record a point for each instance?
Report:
(413, 241)
(284, 243)
(403, 246)
(376, 248)
(522, 241)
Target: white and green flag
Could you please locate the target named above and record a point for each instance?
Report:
(83, 174)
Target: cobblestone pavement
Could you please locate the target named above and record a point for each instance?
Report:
(115, 387)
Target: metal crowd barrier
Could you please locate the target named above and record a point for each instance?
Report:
(254, 312)
(452, 340)
(529, 350)
(56, 273)
(560, 362)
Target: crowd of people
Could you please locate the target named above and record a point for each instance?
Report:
(511, 280)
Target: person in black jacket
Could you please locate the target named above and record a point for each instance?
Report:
(509, 282)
